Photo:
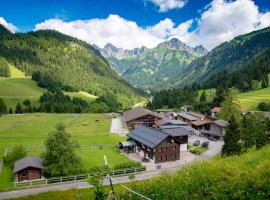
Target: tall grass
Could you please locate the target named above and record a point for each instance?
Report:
(244, 177)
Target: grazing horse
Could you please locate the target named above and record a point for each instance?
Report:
(97, 121)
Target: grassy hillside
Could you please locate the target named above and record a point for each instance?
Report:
(31, 130)
(244, 177)
(16, 73)
(68, 60)
(14, 90)
(250, 100)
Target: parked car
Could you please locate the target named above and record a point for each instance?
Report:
(212, 138)
(196, 143)
(205, 144)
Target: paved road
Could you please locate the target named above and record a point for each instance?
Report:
(214, 149)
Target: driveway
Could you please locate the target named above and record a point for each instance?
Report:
(214, 147)
(117, 127)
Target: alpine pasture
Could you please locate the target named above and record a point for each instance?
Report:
(31, 130)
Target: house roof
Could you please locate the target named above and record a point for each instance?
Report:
(128, 143)
(168, 122)
(27, 162)
(188, 116)
(138, 112)
(216, 109)
(202, 122)
(148, 136)
(221, 123)
(195, 114)
(180, 131)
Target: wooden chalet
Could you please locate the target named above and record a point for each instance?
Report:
(139, 116)
(159, 145)
(28, 168)
(205, 125)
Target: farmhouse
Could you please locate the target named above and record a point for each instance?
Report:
(205, 125)
(28, 168)
(139, 116)
(159, 145)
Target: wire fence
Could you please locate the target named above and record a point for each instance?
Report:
(57, 180)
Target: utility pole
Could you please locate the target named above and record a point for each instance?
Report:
(108, 176)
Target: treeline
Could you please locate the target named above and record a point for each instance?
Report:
(249, 77)
(173, 98)
(46, 81)
(4, 68)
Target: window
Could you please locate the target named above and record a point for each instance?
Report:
(159, 149)
(174, 148)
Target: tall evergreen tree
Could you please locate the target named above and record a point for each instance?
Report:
(248, 131)
(203, 97)
(3, 107)
(232, 138)
(19, 109)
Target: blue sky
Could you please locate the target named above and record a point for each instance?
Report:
(192, 21)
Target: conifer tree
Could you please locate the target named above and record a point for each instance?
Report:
(3, 107)
(232, 137)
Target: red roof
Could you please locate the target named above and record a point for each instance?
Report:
(216, 109)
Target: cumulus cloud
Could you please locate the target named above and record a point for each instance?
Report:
(165, 5)
(8, 26)
(223, 20)
(220, 21)
(113, 29)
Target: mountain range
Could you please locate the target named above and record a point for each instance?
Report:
(175, 64)
(152, 69)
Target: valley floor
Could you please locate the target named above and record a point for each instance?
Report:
(31, 130)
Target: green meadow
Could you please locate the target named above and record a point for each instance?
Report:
(14, 90)
(31, 130)
(250, 100)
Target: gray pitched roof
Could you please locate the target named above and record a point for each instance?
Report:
(180, 131)
(188, 116)
(138, 112)
(148, 136)
(169, 122)
(27, 162)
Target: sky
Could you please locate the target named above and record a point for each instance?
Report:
(134, 23)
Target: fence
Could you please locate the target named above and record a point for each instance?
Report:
(42, 182)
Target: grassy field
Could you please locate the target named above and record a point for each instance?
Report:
(83, 95)
(14, 90)
(30, 130)
(250, 100)
(16, 73)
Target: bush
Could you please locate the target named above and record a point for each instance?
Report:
(197, 149)
(16, 153)
(129, 164)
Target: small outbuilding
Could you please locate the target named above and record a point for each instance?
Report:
(28, 168)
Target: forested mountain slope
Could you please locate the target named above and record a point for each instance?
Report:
(237, 62)
(70, 61)
(152, 69)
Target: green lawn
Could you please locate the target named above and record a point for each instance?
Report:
(14, 90)
(30, 130)
(250, 100)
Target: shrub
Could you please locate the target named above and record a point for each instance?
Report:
(129, 164)
(16, 153)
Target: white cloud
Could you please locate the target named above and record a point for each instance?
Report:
(220, 21)
(223, 20)
(165, 5)
(8, 26)
(114, 29)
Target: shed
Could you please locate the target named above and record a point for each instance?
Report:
(28, 168)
